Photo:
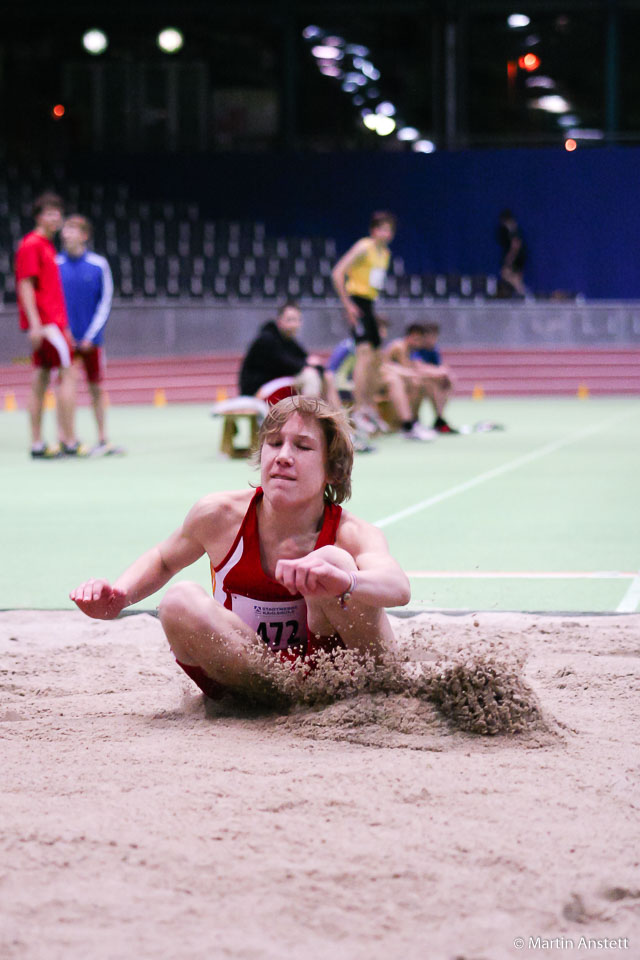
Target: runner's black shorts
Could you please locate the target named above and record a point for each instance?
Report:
(366, 330)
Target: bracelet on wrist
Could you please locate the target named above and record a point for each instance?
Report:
(344, 598)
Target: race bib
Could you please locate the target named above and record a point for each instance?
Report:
(280, 625)
(376, 277)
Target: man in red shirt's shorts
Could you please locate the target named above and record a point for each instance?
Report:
(43, 316)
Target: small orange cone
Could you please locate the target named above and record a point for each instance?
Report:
(10, 402)
(221, 394)
(478, 392)
(583, 391)
(49, 400)
(159, 398)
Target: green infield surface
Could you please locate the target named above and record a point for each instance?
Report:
(541, 516)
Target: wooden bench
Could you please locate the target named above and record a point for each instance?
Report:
(235, 424)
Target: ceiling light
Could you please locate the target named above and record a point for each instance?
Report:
(385, 125)
(424, 146)
(408, 133)
(386, 109)
(356, 50)
(95, 41)
(325, 52)
(518, 20)
(586, 134)
(545, 82)
(170, 40)
(551, 103)
(310, 32)
(330, 69)
(529, 62)
(367, 68)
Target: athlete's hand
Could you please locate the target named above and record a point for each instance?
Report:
(35, 337)
(98, 599)
(85, 346)
(353, 313)
(312, 576)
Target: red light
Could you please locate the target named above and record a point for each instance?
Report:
(570, 144)
(58, 110)
(529, 62)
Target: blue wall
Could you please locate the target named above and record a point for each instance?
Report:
(579, 212)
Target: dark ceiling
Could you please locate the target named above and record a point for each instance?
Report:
(246, 78)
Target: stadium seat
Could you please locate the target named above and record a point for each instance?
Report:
(271, 287)
(168, 247)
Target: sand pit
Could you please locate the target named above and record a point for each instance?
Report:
(139, 820)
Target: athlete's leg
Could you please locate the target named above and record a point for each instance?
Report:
(359, 625)
(309, 382)
(364, 375)
(97, 402)
(438, 390)
(39, 385)
(203, 633)
(66, 407)
(396, 386)
(329, 392)
(514, 279)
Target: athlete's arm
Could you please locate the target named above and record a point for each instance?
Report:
(361, 549)
(395, 361)
(103, 307)
(151, 571)
(514, 249)
(339, 277)
(27, 298)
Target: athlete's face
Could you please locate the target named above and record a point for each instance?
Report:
(384, 232)
(415, 341)
(290, 321)
(293, 462)
(74, 237)
(49, 220)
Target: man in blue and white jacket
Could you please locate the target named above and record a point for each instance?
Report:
(88, 292)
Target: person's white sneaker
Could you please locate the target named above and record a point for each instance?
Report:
(362, 423)
(418, 432)
(381, 425)
(361, 443)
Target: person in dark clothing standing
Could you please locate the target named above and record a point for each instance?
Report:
(275, 359)
(514, 254)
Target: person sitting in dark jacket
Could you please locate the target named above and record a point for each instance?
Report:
(275, 360)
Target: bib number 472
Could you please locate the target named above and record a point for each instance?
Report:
(279, 635)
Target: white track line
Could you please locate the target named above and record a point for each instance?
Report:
(496, 472)
(519, 575)
(631, 599)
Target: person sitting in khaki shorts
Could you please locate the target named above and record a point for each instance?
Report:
(412, 371)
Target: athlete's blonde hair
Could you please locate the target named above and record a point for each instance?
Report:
(335, 426)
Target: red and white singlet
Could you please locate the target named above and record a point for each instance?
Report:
(240, 584)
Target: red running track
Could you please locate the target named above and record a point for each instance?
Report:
(504, 373)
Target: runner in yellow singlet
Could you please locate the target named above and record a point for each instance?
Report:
(358, 278)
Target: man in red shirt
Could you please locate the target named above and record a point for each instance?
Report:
(43, 316)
